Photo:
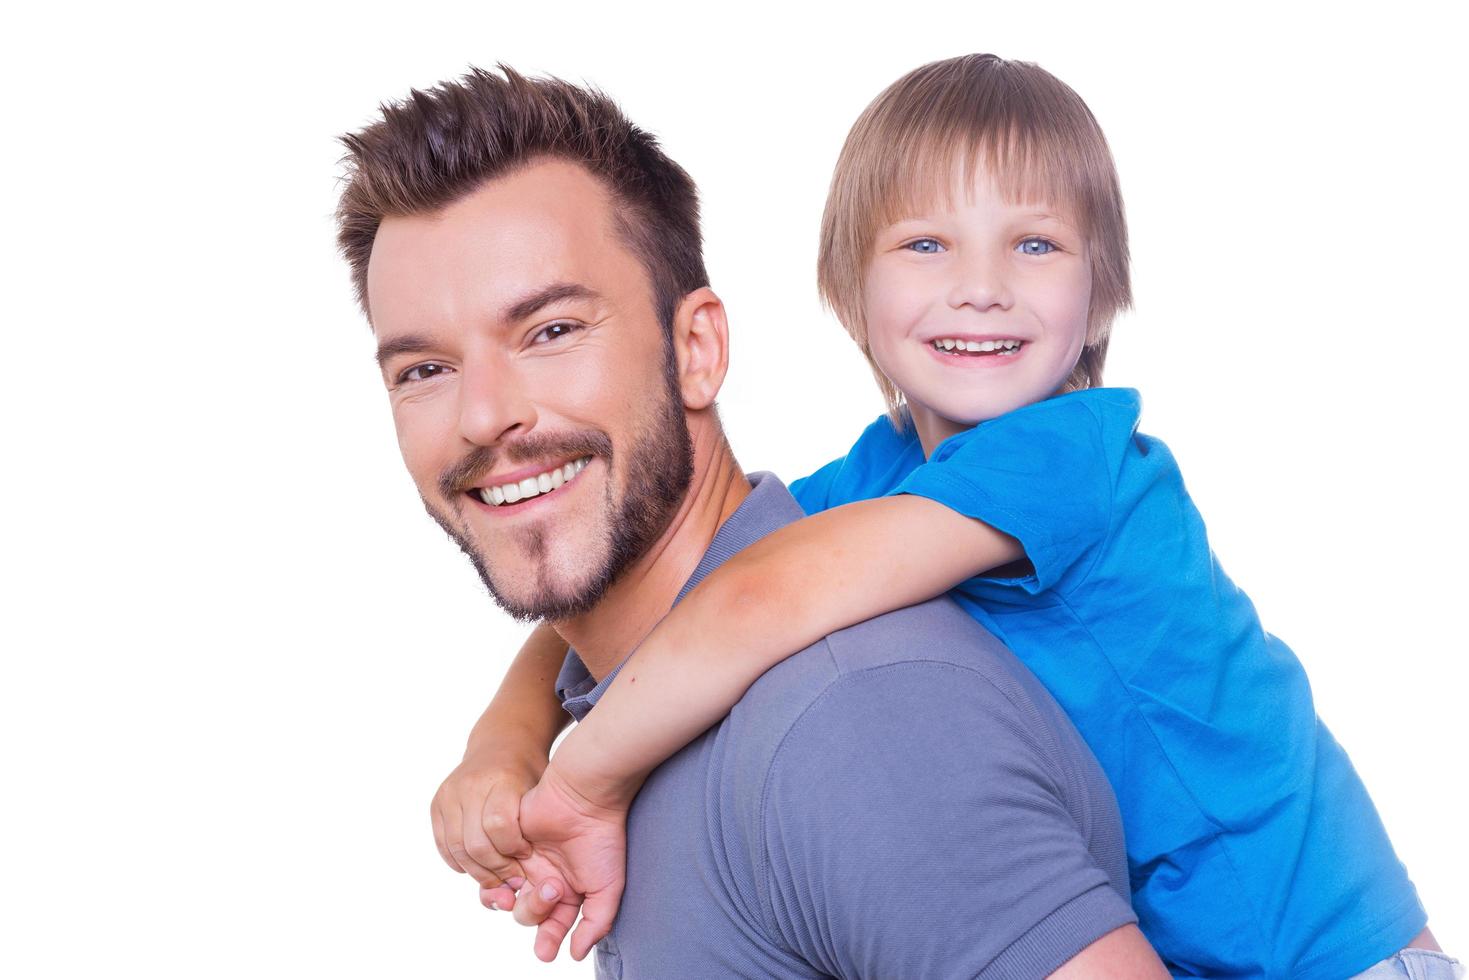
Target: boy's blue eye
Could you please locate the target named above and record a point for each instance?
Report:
(1036, 246)
(924, 246)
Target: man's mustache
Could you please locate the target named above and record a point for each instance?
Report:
(482, 459)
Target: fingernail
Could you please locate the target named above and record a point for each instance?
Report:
(515, 882)
(495, 906)
(549, 892)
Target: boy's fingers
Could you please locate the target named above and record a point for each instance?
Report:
(501, 898)
(550, 932)
(597, 914)
(583, 939)
(439, 841)
(537, 901)
(454, 840)
(485, 854)
(501, 823)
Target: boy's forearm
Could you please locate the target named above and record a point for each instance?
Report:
(777, 596)
(665, 694)
(525, 707)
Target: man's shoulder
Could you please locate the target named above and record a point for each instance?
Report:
(918, 657)
(912, 744)
(935, 634)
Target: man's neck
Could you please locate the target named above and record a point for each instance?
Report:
(645, 592)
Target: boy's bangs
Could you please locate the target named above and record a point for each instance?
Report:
(1028, 168)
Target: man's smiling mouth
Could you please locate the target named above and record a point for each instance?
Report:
(957, 347)
(532, 486)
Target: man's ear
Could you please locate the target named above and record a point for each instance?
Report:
(700, 347)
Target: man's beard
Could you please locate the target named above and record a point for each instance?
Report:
(660, 466)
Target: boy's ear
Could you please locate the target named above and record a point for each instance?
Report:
(700, 347)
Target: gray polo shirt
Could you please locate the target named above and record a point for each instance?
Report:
(899, 800)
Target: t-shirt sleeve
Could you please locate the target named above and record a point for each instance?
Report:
(913, 827)
(877, 461)
(1040, 474)
(813, 492)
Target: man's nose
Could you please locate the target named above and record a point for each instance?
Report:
(981, 281)
(492, 401)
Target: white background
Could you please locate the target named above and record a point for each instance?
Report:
(239, 657)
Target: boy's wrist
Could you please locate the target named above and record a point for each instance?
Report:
(509, 738)
(586, 783)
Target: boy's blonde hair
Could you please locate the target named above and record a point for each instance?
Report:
(1027, 128)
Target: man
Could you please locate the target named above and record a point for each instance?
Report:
(901, 799)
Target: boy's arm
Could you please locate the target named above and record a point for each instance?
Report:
(777, 596)
(526, 703)
(475, 811)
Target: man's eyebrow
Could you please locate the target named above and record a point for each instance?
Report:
(409, 344)
(519, 310)
(553, 293)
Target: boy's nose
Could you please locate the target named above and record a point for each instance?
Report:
(492, 401)
(980, 283)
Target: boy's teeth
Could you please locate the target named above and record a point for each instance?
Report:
(531, 486)
(978, 346)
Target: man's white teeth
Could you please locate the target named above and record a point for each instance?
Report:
(509, 493)
(978, 346)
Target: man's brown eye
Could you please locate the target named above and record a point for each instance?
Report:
(424, 372)
(553, 332)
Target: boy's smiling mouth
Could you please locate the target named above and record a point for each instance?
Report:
(957, 346)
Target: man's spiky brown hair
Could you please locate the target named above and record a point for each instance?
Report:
(436, 147)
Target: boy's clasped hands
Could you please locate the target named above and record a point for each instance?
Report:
(538, 844)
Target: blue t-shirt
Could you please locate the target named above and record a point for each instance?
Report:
(1253, 848)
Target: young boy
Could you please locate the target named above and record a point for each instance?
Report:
(974, 247)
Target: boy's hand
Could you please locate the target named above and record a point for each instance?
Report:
(476, 820)
(547, 903)
(580, 850)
